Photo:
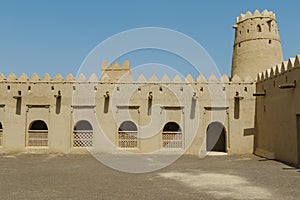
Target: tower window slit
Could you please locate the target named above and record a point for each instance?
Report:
(258, 28)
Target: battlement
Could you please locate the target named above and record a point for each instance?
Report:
(115, 66)
(256, 14)
(261, 26)
(279, 69)
(126, 78)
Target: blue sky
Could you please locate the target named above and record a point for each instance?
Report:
(56, 36)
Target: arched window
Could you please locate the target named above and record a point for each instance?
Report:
(172, 136)
(83, 134)
(216, 137)
(83, 125)
(270, 25)
(37, 134)
(127, 135)
(38, 125)
(258, 28)
(1, 134)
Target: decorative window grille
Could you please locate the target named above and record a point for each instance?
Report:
(82, 138)
(128, 135)
(172, 139)
(38, 138)
(172, 136)
(37, 134)
(128, 139)
(83, 134)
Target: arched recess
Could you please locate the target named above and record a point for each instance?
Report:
(127, 135)
(82, 134)
(216, 137)
(37, 134)
(1, 134)
(172, 136)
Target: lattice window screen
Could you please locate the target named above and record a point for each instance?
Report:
(83, 138)
(128, 139)
(37, 138)
(171, 139)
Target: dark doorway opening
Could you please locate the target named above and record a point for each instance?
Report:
(216, 137)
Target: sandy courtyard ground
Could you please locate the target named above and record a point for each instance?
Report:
(31, 176)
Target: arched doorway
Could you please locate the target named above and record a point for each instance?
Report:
(82, 134)
(172, 136)
(127, 135)
(1, 134)
(37, 134)
(216, 137)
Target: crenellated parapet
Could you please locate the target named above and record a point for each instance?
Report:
(129, 79)
(280, 69)
(126, 78)
(115, 66)
(256, 14)
(256, 26)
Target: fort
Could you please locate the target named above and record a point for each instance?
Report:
(257, 111)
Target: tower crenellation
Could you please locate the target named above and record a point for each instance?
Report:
(256, 14)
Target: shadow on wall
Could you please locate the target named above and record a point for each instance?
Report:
(58, 105)
(193, 107)
(18, 106)
(106, 105)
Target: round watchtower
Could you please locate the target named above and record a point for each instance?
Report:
(257, 44)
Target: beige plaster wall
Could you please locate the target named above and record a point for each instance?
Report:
(277, 135)
(172, 101)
